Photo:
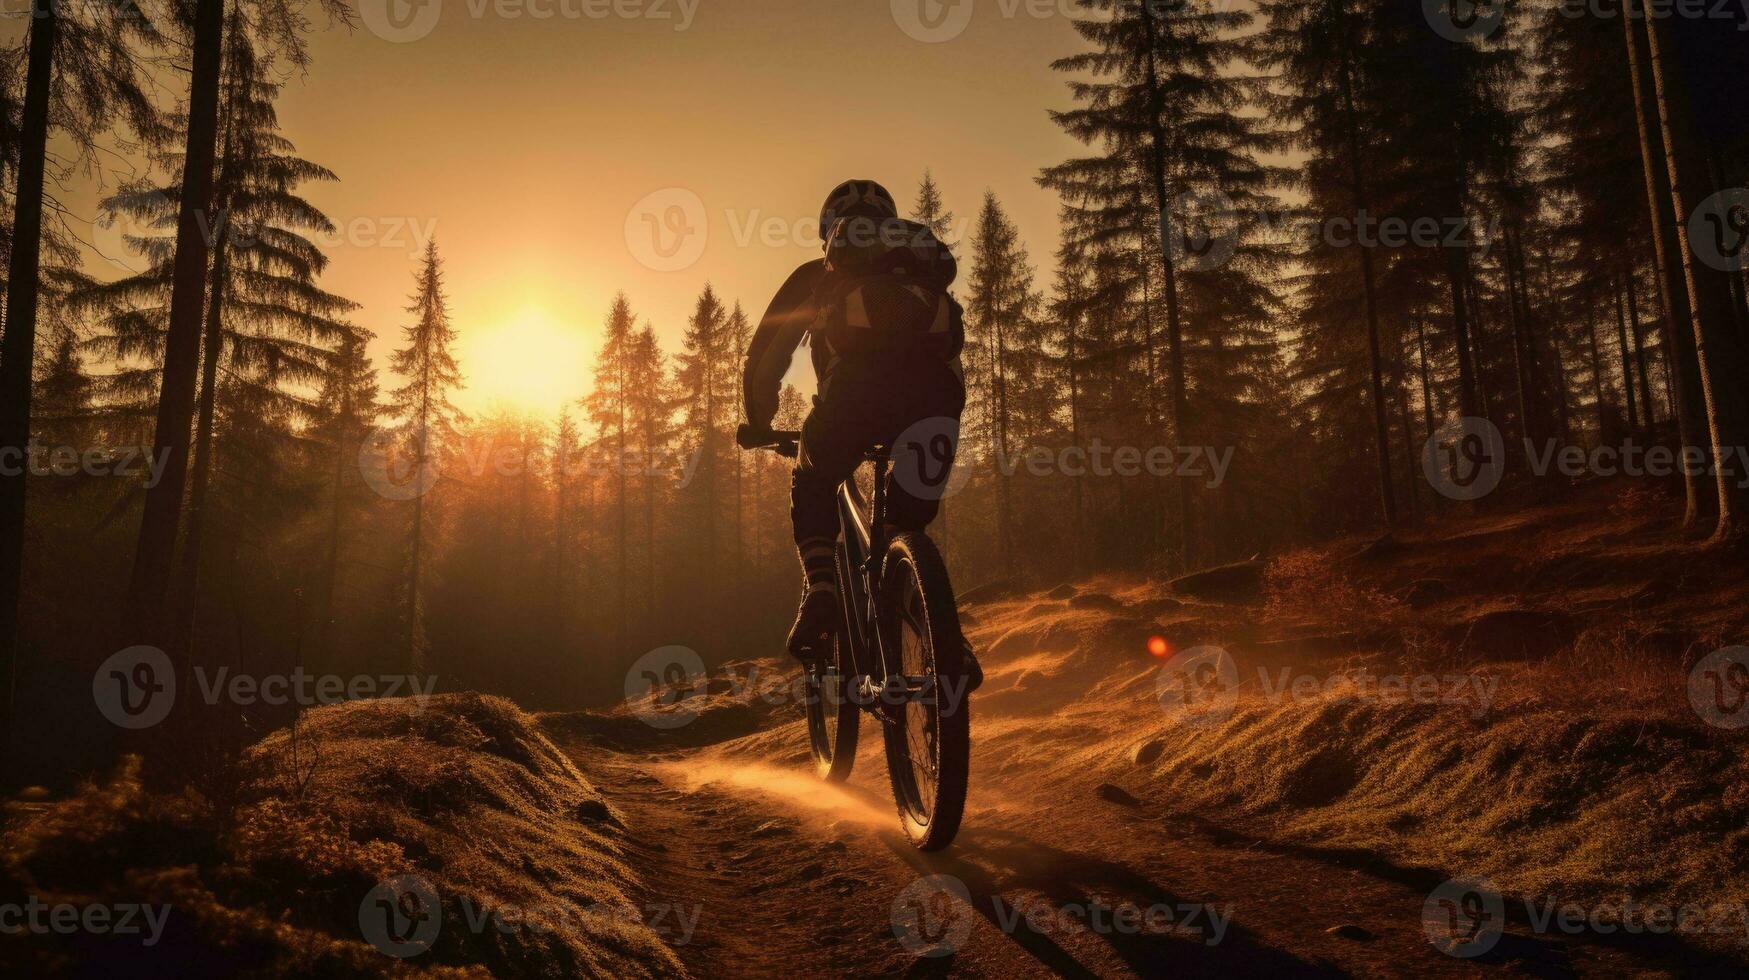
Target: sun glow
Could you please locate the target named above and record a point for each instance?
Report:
(530, 363)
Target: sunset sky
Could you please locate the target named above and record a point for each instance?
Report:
(525, 144)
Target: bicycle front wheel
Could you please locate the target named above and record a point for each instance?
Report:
(928, 734)
(833, 715)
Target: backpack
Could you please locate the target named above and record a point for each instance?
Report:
(885, 288)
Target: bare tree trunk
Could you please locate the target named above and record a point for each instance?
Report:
(1639, 333)
(1457, 270)
(1381, 425)
(1627, 368)
(156, 551)
(1169, 285)
(188, 574)
(1426, 380)
(18, 355)
(1596, 372)
(1715, 335)
(1672, 292)
(1523, 351)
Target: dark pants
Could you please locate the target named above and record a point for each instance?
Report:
(866, 402)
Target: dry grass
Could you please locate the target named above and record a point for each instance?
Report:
(464, 792)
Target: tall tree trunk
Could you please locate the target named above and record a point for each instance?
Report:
(1400, 386)
(155, 554)
(336, 526)
(1079, 524)
(1717, 350)
(1004, 501)
(620, 465)
(18, 355)
(1639, 334)
(1672, 291)
(1369, 298)
(1523, 351)
(1426, 380)
(212, 347)
(1597, 372)
(1157, 139)
(1627, 368)
(1457, 271)
(415, 655)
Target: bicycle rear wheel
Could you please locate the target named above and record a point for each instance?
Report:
(833, 717)
(928, 734)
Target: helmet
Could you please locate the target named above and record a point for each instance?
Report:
(856, 199)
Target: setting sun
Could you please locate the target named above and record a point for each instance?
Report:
(530, 362)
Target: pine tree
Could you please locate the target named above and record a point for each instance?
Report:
(89, 49)
(345, 412)
(1161, 94)
(609, 407)
(651, 417)
(930, 210)
(1000, 307)
(428, 420)
(704, 380)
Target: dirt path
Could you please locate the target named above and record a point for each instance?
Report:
(787, 875)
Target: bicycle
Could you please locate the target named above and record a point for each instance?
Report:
(898, 656)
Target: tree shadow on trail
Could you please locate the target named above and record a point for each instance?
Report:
(999, 868)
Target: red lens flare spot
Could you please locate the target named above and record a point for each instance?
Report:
(1158, 646)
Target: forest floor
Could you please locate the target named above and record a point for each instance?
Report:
(1503, 699)
(1507, 698)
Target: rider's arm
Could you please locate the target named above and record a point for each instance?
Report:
(774, 343)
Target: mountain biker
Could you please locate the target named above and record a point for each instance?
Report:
(876, 378)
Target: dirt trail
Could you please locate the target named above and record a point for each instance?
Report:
(1554, 753)
(787, 875)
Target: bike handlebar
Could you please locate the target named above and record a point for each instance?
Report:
(783, 443)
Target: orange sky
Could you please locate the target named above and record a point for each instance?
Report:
(524, 142)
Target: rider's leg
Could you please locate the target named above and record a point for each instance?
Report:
(941, 395)
(830, 452)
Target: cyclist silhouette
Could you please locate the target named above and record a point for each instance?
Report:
(886, 340)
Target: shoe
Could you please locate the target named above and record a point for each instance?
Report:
(810, 639)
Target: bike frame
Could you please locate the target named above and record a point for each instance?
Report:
(865, 548)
